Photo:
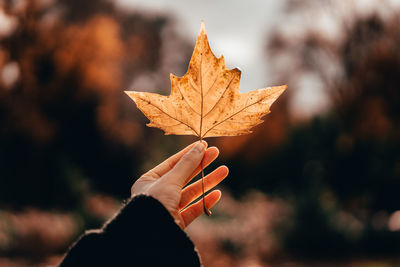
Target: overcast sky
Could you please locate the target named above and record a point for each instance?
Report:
(236, 29)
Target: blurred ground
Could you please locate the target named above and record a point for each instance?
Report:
(315, 185)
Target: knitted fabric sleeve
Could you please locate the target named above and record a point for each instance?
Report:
(143, 233)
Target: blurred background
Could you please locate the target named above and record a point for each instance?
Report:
(317, 184)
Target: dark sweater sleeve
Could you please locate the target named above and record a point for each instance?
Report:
(142, 234)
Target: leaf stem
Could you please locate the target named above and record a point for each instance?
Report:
(206, 211)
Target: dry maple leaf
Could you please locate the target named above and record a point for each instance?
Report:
(206, 101)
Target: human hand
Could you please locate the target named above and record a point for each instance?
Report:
(166, 181)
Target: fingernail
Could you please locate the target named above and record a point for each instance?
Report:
(199, 147)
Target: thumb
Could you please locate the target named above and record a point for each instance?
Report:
(186, 165)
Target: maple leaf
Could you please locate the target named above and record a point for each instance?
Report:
(206, 101)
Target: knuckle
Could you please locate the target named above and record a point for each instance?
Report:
(190, 158)
(192, 214)
(133, 188)
(191, 194)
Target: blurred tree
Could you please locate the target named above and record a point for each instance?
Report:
(364, 91)
(65, 123)
(339, 169)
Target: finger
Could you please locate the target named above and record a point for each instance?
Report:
(209, 156)
(194, 190)
(195, 210)
(185, 166)
(169, 163)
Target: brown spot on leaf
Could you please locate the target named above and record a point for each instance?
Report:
(216, 110)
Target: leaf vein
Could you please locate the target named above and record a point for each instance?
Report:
(184, 98)
(234, 114)
(172, 117)
(192, 84)
(212, 85)
(216, 103)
